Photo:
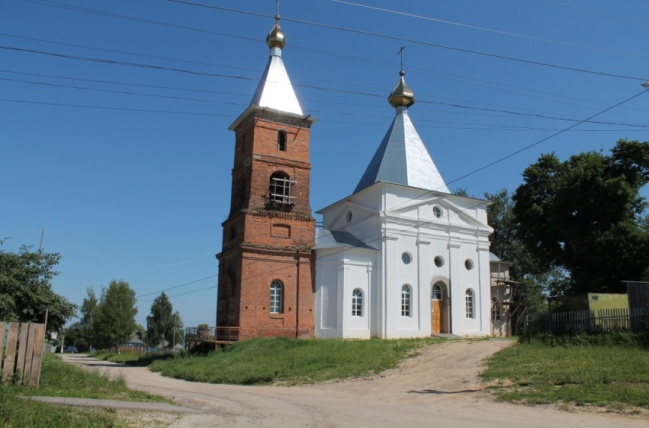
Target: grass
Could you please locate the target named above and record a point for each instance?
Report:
(63, 380)
(289, 361)
(611, 376)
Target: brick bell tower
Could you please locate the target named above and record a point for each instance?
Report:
(266, 285)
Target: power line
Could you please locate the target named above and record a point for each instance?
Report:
(94, 107)
(547, 138)
(420, 42)
(454, 105)
(331, 27)
(475, 27)
(176, 286)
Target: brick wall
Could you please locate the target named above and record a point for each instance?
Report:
(263, 243)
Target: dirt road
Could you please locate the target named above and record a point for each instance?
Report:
(438, 388)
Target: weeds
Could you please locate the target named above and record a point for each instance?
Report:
(612, 376)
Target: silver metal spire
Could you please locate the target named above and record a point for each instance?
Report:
(275, 89)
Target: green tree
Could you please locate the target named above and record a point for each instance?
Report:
(162, 323)
(532, 284)
(26, 289)
(81, 333)
(581, 216)
(114, 317)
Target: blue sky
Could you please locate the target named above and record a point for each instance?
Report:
(114, 115)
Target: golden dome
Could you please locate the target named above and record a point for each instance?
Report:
(401, 95)
(276, 38)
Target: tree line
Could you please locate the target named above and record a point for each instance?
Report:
(106, 321)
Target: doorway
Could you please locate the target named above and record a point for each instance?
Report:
(438, 322)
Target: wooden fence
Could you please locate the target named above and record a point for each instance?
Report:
(602, 320)
(21, 352)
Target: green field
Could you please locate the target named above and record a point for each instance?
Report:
(616, 377)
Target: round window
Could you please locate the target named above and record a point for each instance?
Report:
(349, 216)
(437, 211)
(439, 261)
(406, 258)
(468, 263)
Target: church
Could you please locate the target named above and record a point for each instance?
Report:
(400, 257)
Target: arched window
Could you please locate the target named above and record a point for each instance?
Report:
(280, 189)
(357, 303)
(469, 303)
(281, 141)
(276, 297)
(405, 300)
(437, 292)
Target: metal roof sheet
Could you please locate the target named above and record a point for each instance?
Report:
(275, 89)
(402, 158)
(326, 238)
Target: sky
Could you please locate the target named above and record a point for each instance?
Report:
(114, 115)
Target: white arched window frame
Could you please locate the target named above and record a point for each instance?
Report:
(470, 313)
(357, 303)
(276, 297)
(406, 297)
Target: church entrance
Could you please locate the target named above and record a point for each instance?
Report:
(438, 316)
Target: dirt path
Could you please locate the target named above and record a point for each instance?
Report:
(440, 387)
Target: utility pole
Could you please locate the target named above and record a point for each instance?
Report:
(40, 246)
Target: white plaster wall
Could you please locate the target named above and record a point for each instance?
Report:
(357, 274)
(327, 319)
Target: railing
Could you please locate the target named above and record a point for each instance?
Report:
(212, 334)
(602, 320)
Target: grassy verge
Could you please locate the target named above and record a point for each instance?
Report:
(264, 361)
(534, 373)
(133, 359)
(63, 380)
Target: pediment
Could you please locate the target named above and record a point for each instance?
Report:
(465, 212)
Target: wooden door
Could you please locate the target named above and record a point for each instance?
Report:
(436, 316)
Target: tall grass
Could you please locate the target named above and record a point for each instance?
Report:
(613, 376)
(59, 379)
(64, 380)
(16, 412)
(263, 361)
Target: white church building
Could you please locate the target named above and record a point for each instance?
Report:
(402, 256)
